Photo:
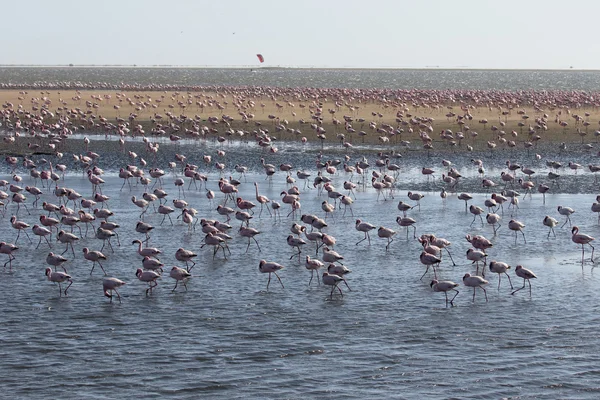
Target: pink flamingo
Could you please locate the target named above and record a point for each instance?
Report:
(270, 268)
(8, 249)
(582, 239)
(527, 275)
(445, 286)
(59, 277)
(110, 285)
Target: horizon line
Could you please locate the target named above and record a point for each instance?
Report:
(261, 67)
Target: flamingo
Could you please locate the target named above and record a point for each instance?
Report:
(441, 243)
(59, 277)
(249, 233)
(407, 222)
(517, 226)
(68, 239)
(386, 233)
(445, 286)
(333, 281)
(550, 223)
(527, 275)
(475, 282)
(582, 239)
(331, 256)
(8, 249)
(313, 264)
(500, 268)
(295, 242)
(364, 227)
(476, 255)
(20, 226)
(476, 211)
(105, 235)
(186, 256)
(179, 274)
(146, 251)
(42, 233)
(566, 211)
(149, 277)
(493, 219)
(270, 267)
(262, 200)
(415, 196)
(465, 197)
(429, 260)
(110, 285)
(95, 257)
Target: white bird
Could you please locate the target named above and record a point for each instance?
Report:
(527, 275)
(110, 285)
(445, 286)
(59, 277)
(475, 282)
(179, 274)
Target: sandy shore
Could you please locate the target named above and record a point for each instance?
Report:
(234, 114)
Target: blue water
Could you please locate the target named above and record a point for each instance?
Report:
(227, 336)
(511, 80)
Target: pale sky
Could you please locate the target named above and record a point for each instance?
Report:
(305, 33)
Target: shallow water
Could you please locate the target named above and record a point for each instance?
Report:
(436, 79)
(229, 337)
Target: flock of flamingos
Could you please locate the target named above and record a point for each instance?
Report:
(36, 199)
(62, 213)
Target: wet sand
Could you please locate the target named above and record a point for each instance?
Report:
(233, 114)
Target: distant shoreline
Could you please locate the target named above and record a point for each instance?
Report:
(257, 67)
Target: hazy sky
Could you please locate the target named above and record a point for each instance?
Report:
(317, 33)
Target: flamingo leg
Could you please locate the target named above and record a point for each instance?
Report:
(523, 287)
(279, 279)
(457, 292)
(67, 288)
(509, 281)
